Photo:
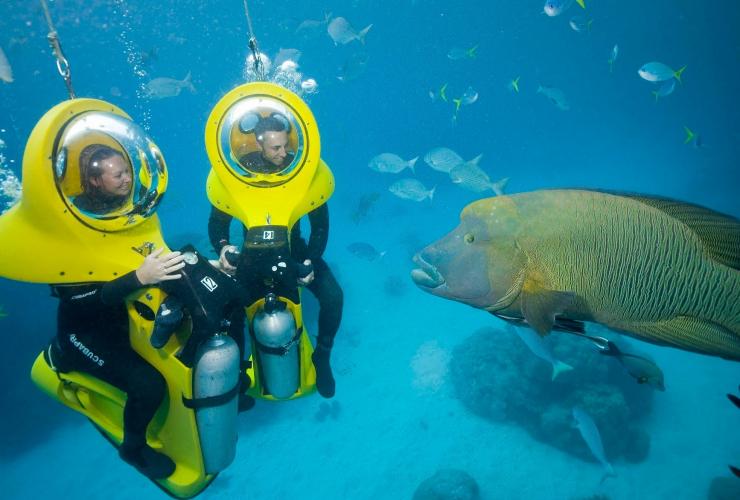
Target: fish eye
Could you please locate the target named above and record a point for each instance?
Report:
(469, 238)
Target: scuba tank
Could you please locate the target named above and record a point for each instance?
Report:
(215, 391)
(277, 340)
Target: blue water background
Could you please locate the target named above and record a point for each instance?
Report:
(390, 436)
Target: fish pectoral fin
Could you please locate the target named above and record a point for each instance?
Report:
(539, 307)
(689, 333)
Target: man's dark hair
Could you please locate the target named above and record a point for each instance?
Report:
(276, 122)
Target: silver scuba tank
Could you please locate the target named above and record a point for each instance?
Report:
(275, 331)
(215, 375)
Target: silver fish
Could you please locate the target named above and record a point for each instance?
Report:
(353, 67)
(411, 189)
(613, 57)
(470, 96)
(666, 88)
(580, 24)
(311, 25)
(659, 72)
(556, 96)
(365, 251)
(556, 7)
(443, 159)
(390, 163)
(6, 72)
(159, 88)
(343, 33)
(590, 433)
(537, 345)
(457, 54)
(470, 176)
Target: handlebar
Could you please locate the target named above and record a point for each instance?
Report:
(302, 270)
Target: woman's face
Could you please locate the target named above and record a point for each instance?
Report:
(116, 177)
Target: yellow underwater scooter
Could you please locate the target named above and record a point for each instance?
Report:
(269, 204)
(97, 248)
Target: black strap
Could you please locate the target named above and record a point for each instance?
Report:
(279, 350)
(211, 401)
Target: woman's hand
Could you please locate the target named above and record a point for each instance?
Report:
(157, 267)
(225, 265)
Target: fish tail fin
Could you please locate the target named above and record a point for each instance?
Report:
(443, 92)
(734, 399)
(539, 89)
(582, 3)
(499, 186)
(656, 94)
(327, 17)
(431, 193)
(458, 103)
(515, 84)
(411, 163)
(559, 367)
(471, 51)
(588, 26)
(609, 472)
(361, 34)
(188, 82)
(677, 74)
(689, 135)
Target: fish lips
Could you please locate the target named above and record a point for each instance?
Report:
(426, 276)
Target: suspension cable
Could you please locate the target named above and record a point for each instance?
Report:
(62, 64)
(259, 67)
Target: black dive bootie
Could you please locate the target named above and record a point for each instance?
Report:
(324, 378)
(152, 464)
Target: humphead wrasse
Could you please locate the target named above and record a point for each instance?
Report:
(660, 270)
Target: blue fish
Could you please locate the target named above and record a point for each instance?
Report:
(590, 433)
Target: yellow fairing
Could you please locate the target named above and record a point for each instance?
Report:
(307, 371)
(173, 429)
(44, 239)
(277, 199)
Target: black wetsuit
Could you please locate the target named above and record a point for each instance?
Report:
(98, 203)
(324, 286)
(93, 337)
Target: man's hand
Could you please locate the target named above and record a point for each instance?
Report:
(225, 264)
(305, 273)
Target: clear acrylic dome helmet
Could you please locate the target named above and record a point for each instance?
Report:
(262, 140)
(108, 171)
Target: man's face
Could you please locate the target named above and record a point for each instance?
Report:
(116, 177)
(274, 146)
